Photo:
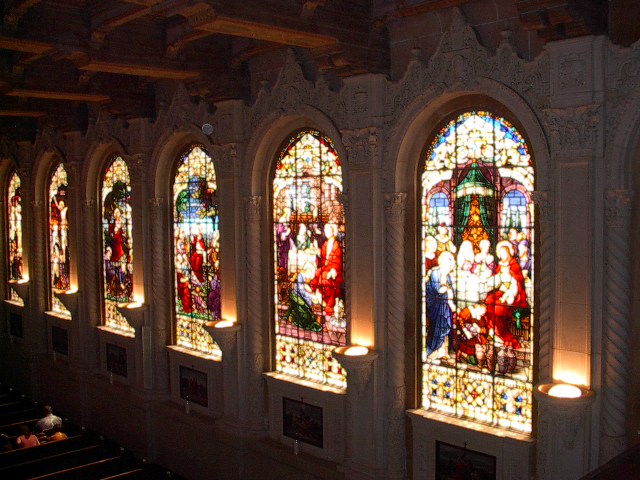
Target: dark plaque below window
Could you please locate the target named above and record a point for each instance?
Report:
(117, 360)
(16, 328)
(60, 340)
(302, 421)
(193, 386)
(454, 463)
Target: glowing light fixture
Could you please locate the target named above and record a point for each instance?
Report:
(564, 390)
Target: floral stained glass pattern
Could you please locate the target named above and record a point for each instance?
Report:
(477, 241)
(117, 242)
(59, 237)
(309, 243)
(16, 268)
(196, 229)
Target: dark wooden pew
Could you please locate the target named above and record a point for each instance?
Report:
(22, 455)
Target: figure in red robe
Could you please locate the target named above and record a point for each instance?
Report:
(328, 278)
(116, 232)
(508, 296)
(198, 254)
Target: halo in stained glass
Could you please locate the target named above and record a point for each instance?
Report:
(309, 245)
(196, 250)
(117, 242)
(477, 277)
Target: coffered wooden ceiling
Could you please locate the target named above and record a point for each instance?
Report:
(64, 60)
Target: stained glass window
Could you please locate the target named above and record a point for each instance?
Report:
(196, 230)
(477, 273)
(117, 242)
(15, 228)
(59, 237)
(309, 243)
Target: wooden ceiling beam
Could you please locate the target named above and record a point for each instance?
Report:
(22, 113)
(24, 45)
(58, 95)
(138, 70)
(429, 6)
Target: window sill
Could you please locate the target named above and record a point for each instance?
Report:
(194, 353)
(281, 377)
(114, 331)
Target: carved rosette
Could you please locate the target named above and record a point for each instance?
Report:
(544, 284)
(618, 205)
(395, 205)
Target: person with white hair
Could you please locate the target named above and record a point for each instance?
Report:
(48, 421)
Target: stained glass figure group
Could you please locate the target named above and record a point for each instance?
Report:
(309, 243)
(477, 272)
(117, 242)
(59, 256)
(15, 228)
(196, 250)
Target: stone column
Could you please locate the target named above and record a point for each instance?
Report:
(256, 339)
(91, 285)
(616, 325)
(395, 204)
(544, 285)
(161, 285)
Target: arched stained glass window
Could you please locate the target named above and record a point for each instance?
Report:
(59, 263)
(117, 242)
(477, 273)
(15, 228)
(196, 230)
(309, 243)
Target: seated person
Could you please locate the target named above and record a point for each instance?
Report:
(57, 434)
(27, 439)
(48, 421)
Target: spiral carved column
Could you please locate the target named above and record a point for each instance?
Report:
(395, 204)
(91, 285)
(615, 342)
(255, 319)
(160, 286)
(544, 285)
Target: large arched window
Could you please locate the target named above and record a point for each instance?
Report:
(477, 272)
(117, 242)
(59, 260)
(14, 220)
(309, 243)
(196, 250)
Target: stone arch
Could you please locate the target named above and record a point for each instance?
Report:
(95, 162)
(407, 145)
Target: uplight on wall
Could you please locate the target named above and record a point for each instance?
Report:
(564, 390)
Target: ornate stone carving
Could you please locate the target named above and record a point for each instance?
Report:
(619, 207)
(395, 204)
(253, 206)
(362, 147)
(225, 158)
(574, 128)
(573, 70)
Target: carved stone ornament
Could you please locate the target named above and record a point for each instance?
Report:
(619, 206)
(225, 157)
(574, 128)
(395, 205)
(541, 199)
(253, 206)
(362, 147)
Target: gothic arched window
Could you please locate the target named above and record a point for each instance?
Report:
(117, 242)
(59, 257)
(15, 228)
(309, 243)
(476, 273)
(196, 250)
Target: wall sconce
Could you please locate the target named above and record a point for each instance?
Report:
(224, 333)
(69, 298)
(357, 360)
(21, 287)
(133, 313)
